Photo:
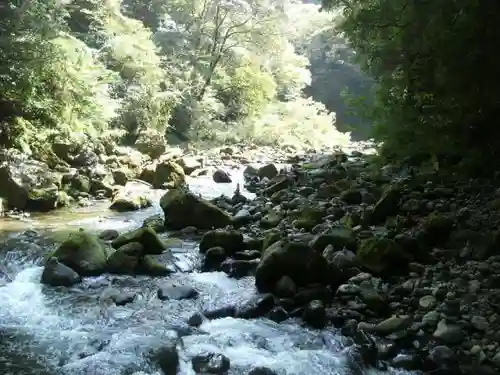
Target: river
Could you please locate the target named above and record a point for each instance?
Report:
(51, 331)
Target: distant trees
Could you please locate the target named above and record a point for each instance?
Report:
(211, 69)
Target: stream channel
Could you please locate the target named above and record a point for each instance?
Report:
(63, 331)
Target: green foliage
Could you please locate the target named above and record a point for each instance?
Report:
(436, 76)
(246, 92)
(208, 70)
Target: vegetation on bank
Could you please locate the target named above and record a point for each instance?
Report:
(207, 70)
(436, 94)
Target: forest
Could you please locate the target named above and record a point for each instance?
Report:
(435, 96)
(215, 71)
(264, 71)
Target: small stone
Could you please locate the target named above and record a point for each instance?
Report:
(427, 302)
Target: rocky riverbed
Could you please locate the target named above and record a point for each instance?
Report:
(402, 264)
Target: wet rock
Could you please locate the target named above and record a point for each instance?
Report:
(125, 260)
(387, 326)
(387, 205)
(250, 173)
(123, 298)
(210, 364)
(267, 171)
(146, 236)
(256, 307)
(177, 292)
(239, 268)
(83, 252)
(150, 266)
(183, 209)
(315, 314)
(284, 258)
(166, 358)
(221, 176)
(230, 241)
(278, 314)
(108, 234)
(247, 255)
(213, 259)
(381, 255)
(337, 237)
(222, 312)
(408, 362)
(196, 320)
(285, 287)
(262, 371)
(155, 222)
(57, 274)
(448, 333)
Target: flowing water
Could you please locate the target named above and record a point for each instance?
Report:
(51, 331)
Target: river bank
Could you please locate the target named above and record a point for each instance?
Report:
(337, 243)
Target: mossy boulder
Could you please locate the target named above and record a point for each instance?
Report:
(437, 228)
(387, 205)
(270, 238)
(338, 237)
(146, 236)
(382, 255)
(308, 218)
(83, 252)
(230, 241)
(149, 265)
(296, 260)
(125, 260)
(184, 209)
(168, 175)
(155, 222)
(271, 219)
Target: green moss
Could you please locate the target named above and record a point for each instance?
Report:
(83, 252)
(381, 254)
(147, 237)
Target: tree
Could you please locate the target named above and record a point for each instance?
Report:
(436, 76)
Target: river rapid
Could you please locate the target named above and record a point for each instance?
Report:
(53, 331)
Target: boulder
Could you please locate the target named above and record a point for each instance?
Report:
(28, 184)
(221, 177)
(184, 209)
(83, 252)
(124, 201)
(380, 255)
(230, 241)
(57, 274)
(146, 236)
(295, 260)
(168, 175)
(125, 260)
(267, 171)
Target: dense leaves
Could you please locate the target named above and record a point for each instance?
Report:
(436, 73)
(211, 70)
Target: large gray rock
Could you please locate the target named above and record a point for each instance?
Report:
(28, 184)
(184, 209)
